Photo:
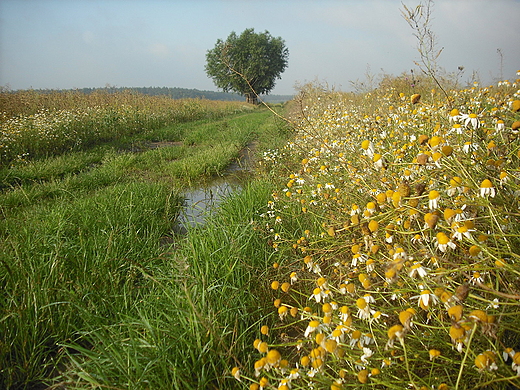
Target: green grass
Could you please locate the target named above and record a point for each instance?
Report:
(204, 148)
(94, 298)
(66, 259)
(193, 324)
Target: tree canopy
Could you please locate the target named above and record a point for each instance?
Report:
(248, 64)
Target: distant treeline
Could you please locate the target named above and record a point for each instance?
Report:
(175, 93)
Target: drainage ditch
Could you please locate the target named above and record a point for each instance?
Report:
(201, 201)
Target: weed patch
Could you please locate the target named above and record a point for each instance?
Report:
(395, 244)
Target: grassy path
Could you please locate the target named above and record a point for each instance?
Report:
(91, 298)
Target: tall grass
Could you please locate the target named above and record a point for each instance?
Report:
(195, 319)
(71, 261)
(35, 125)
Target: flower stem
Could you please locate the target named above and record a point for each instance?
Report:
(401, 340)
(465, 356)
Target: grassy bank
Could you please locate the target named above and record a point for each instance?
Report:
(93, 297)
(194, 322)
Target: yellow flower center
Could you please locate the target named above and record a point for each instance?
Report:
(361, 303)
(486, 184)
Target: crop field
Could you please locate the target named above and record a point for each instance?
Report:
(36, 124)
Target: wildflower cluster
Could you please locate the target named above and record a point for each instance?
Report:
(49, 131)
(396, 241)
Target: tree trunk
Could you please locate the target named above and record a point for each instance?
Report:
(251, 98)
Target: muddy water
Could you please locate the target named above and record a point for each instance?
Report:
(202, 201)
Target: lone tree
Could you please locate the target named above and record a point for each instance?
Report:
(247, 64)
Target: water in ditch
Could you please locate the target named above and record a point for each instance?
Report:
(200, 202)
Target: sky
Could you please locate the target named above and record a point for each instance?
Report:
(62, 44)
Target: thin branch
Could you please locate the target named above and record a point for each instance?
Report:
(419, 20)
(256, 94)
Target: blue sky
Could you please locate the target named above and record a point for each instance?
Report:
(132, 43)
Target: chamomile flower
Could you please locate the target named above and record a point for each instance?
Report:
(378, 160)
(264, 382)
(416, 239)
(368, 148)
(377, 316)
(283, 311)
(508, 353)
(294, 374)
(355, 338)
(458, 336)
(470, 147)
(355, 210)
(259, 366)
(516, 363)
(462, 232)
(311, 265)
(443, 242)
(504, 178)
(370, 209)
(367, 353)
(371, 265)
(318, 294)
(456, 128)
(344, 313)
(235, 372)
(425, 299)
(396, 331)
(471, 119)
(431, 219)
(364, 311)
(400, 254)
(433, 197)
(273, 358)
(406, 316)
(418, 269)
(495, 304)
(486, 361)
(408, 174)
(434, 353)
(476, 278)
(456, 186)
(311, 327)
(487, 189)
(358, 258)
(454, 116)
(338, 334)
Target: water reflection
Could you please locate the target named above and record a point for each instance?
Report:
(202, 201)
